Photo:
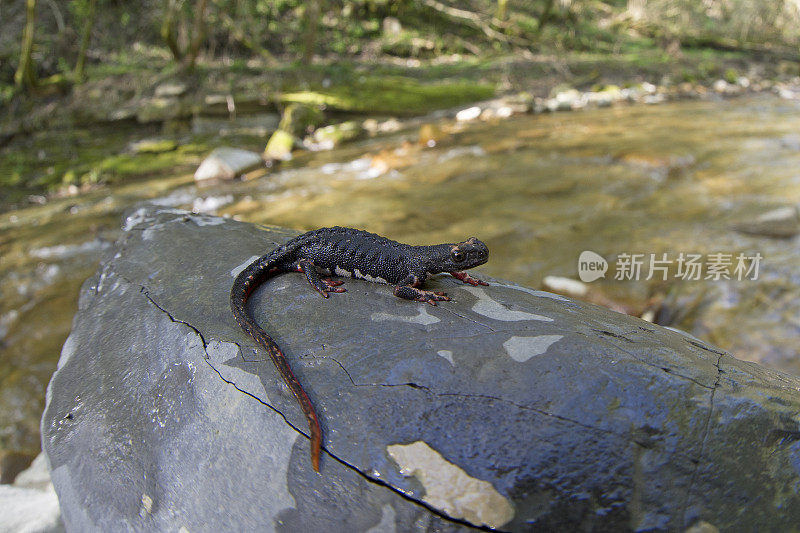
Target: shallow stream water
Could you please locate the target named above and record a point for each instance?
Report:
(538, 189)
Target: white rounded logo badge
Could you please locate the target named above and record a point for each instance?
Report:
(591, 266)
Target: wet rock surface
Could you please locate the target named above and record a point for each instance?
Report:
(506, 407)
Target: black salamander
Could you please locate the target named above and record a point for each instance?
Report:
(358, 254)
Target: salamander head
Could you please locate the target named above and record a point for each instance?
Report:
(459, 256)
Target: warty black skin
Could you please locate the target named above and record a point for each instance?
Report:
(355, 253)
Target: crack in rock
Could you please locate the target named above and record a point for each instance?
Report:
(625, 437)
(145, 292)
(653, 365)
(706, 432)
(346, 373)
(622, 436)
(606, 333)
(470, 319)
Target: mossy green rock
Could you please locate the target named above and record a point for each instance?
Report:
(336, 134)
(393, 95)
(280, 146)
(299, 119)
(154, 146)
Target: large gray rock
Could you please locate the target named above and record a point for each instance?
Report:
(506, 407)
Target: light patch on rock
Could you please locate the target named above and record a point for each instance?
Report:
(490, 308)
(147, 506)
(135, 218)
(209, 221)
(114, 286)
(449, 489)
(238, 268)
(684, 333)
(534, 292)
(142, 215)
(523, 348)
(570, 286)
(220, 353)
(447, 354)
(387, 523)
(67, 350)
(422, 317)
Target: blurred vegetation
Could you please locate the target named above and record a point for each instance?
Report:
(48, 41)
(66, 64)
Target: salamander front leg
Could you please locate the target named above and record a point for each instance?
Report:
(322, 286)
(466, 278)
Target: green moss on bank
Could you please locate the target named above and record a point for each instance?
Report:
(393, 95)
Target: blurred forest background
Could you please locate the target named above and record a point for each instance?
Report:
(68, 64)
(48, 42)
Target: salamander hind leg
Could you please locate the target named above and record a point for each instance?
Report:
(412, 293)
(322, 286)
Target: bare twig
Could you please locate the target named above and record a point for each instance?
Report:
(198, 33)
(25, 75)
(240, 35)
(86, 36)
(474, 20)
(58, 16)
(168, 28)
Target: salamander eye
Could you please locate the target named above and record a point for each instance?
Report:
(457, 256)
